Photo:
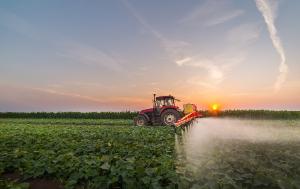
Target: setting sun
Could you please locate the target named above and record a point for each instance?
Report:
(215, 107)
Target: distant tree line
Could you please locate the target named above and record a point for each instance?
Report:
(248, 114)
(254, 114)
(79, 115)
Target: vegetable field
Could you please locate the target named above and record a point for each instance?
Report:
(85, 155)
(104, 153)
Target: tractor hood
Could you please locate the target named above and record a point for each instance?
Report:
(161, 109)
(146, 110)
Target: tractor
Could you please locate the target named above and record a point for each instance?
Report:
(165, 112)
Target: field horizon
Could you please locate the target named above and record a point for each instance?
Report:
(258, 114)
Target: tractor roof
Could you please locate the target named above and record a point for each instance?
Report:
(164, 97)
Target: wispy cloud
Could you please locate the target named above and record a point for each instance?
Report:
(228, 16)
(76, 51)
(215, 71)
(174, 48)
(116, 101)
(80, 85)
(268, 10)
(68, 94)
(91, 56)
(178, 53)
(216, 66)
(244, 34)
(200, 81)
(212, 12)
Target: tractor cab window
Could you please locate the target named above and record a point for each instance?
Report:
(159, 103)
(165, 102)
(169, 102)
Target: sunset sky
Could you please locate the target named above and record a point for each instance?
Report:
(73, 55)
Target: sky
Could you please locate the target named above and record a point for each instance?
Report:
(98, 55)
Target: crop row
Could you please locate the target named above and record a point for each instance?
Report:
(89, 156)
(68, 122)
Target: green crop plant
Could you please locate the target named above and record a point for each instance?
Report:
(89, 156)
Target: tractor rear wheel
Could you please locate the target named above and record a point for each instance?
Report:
(140, 121)
(169, 117)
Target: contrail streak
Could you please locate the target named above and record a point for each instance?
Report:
(142, 21)
(264, 6)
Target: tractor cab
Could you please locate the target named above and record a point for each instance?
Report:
(162, 101)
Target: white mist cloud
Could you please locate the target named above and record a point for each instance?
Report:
(268, 10)
(211, 13)
(174, 48)
(243, 34)
(216, 66)
(177, 50)
(183, 61)
(68, 94)
(89, 55)
(215, 71)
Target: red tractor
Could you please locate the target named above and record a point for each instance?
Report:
(165, 112)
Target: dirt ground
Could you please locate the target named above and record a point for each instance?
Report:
(38, 183)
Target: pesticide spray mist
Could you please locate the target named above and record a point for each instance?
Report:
(195, 145)
(268, 11)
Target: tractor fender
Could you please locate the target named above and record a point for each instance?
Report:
(146, 116)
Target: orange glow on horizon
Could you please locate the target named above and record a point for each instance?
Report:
(215, 107)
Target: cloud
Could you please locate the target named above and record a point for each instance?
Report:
(91, 56)
(200, 81)
(73, 95)
(17, 97)
(268, 10)
(215, 71)
(215, 66)
(114, 101)
(142, 21)
(75, 51)
(226, 17)
(175, 49)
(80, 85)
(244, 34)
(211, 13)
(218, 65)
(183, 61)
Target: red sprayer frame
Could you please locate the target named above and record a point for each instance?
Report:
(188, 118)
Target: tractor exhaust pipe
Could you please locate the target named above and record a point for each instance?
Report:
(154, 96)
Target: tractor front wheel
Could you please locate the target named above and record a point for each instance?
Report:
(169, 117)
(140, 121)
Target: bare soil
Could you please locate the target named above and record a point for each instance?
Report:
(37, 183)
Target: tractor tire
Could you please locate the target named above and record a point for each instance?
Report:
(169, 117)
(140, 121)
